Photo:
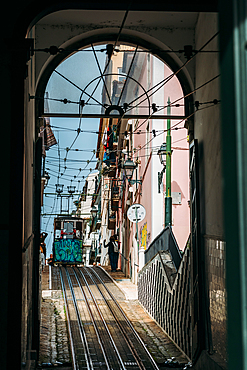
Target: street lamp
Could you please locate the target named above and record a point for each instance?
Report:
(129, 167)
(59, 188)
(71, 189)
(94, 211)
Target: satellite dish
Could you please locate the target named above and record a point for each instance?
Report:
(136, 213)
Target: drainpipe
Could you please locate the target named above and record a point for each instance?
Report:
(168, 198)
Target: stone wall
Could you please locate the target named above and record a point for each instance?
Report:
(208, 133)
(215, 270)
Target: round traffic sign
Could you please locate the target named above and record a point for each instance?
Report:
(136, 213)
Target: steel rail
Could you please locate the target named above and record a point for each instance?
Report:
(121, 363)
(93, 320)
(81, 329)
(128, 340)
(125, 317)
(74, 365)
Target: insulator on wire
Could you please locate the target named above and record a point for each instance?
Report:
(154, 108)
(109, 50)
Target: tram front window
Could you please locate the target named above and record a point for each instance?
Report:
(68, 229)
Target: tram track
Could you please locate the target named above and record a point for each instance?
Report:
(101, 336)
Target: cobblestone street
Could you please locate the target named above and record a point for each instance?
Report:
(54, 343)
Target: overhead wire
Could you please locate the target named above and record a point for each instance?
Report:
(101, 74)
(145, 99)
(183, 97)
(165, 130)
(159, 84)
(168, 78)
(78, 87)
(116, 41)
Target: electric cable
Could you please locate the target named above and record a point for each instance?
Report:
(183, 97)
(78, 87)
(184, 119)
(97, 62)
(168, 78)
(160, 84)
(164, 130)
(111, 50)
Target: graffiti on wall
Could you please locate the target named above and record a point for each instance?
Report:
(144, 236)
(68, 250)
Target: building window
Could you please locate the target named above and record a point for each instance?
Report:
(120, 78)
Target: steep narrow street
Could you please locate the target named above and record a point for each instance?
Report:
(55, 350)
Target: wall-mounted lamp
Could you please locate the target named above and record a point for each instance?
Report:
(162, 157)
(162, 154)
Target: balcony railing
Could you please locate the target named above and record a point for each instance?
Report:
(115, 195)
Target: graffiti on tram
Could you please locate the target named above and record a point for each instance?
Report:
(68, 250)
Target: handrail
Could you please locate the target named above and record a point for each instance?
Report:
(164, 241)
(174, 250)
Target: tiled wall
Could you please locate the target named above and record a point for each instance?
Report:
(166, 299)
(170, 305)
(215, 268)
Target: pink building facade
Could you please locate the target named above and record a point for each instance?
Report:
(144, 143)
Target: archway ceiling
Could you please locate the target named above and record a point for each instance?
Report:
(113, 18)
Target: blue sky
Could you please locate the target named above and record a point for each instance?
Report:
(76, 163)
(80, 68)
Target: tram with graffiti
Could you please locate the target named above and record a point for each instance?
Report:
(68, 235)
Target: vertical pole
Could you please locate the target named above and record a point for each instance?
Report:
(168, 199)
(140, 250)
(137, 237)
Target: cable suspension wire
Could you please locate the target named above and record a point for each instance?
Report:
(102, 78)
(172, 127)
(111, 51)
(160, 83)
(75, 160)
(54, 204)
(183, 97)
(78, 87)
(168, 78)
(162, 131)
(71, 129)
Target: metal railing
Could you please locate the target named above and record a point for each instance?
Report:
(163, 242)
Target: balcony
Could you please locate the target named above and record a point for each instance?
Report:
(115, 197)
(110, 171)
(98, 223)
(111, 217)
(111, 221)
